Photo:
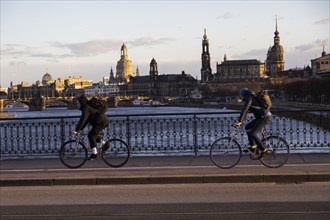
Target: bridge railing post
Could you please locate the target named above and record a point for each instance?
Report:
(128, 131)
(195, 134)
(62, 127)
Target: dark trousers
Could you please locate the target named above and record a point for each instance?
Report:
(93, 135)
(255, 127)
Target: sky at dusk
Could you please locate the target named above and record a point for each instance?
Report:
(70, 38)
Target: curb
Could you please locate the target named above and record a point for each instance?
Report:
(182, 179)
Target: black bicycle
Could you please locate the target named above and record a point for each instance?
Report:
(226, 152)
(74, 152)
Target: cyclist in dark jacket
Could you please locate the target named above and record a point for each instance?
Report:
(90, 115)
(254, 127)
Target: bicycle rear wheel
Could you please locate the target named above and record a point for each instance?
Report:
(225, 152)
(278, 152)
(73, 154)
(115, 153)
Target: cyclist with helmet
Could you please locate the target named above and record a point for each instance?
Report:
(262, 117)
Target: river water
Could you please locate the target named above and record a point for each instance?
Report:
(53, 112)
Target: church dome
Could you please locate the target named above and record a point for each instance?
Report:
(277, 48)
(46, 79)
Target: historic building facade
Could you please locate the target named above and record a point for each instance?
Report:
(240, 70)
(159, 86)
(102, 90)
(47, 87)
(321, 65)
(206, 71)
(275, 60)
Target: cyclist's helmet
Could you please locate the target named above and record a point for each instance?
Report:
(243, 91)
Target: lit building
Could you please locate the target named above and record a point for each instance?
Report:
(275, 60)
(124, 68)
(77, 82)
(102, 90)
(321, 65)
(240, 70)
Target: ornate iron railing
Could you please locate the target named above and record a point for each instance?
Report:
(155, 134)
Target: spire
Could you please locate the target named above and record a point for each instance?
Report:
(111, 74)
(276, 32)
(277, 37)
(137, 73)
(276, 21)
(205, 36)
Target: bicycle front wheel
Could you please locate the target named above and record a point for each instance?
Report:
(278, 152)
(115, 153)
(225, 152)
(73, 154)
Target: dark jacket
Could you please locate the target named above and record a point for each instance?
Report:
(251, 105)
(89, 115)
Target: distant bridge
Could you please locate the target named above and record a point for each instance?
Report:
(40, 103)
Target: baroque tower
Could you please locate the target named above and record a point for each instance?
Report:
(153, 70)
(275, 61)
(206, 71)
(124, 68)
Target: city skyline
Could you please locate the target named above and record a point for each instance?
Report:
(84, 37)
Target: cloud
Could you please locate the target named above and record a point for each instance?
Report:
(259, 54)
(42, 55)
(17, 64)
(312, 45)
(19, 51)
(149, 41)
(12, 49)
(53, 60)
(100, 46)
(323, 21)
(89, 48)
(226, 16)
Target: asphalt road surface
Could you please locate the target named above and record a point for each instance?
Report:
(169, 201)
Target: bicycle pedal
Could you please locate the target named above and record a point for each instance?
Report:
(93, 157)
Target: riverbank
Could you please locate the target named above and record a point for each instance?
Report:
(6, 115)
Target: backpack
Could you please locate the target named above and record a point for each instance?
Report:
(99, 105)
(264, 100)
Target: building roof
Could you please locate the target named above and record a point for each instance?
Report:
(324, 57)
(240, 62)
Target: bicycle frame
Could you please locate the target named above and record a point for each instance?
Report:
(79, 137)
(234, 135)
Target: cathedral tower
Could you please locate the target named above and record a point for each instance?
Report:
(206, 71)
(275, 61)
(124, 68)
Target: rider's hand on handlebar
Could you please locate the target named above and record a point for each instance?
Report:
(75, 132)
(236, 124)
